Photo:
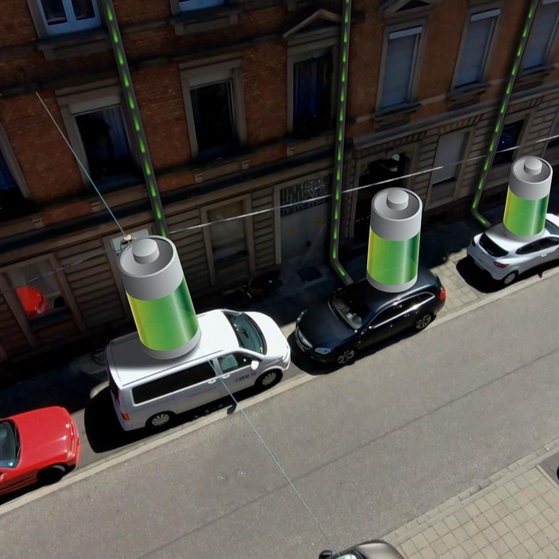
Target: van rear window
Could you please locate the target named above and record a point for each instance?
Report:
(172, 383)
(247, 332)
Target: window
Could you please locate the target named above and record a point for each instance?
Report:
(400, 66)
(37, 289)
(105, 143)
(554, 136)
(233, 361)
(213, 110)
(536, 246)
(173, 382)
(248, 334)
(213, 101)
(542, 35)
(312, 95)
(476, 46)
(449, 154)
(187, 5)
(508, 142)
(68, 16)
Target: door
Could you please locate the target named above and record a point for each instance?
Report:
(237, 372)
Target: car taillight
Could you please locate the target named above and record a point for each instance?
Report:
(442, 294)
(500, 264)
(125, 416)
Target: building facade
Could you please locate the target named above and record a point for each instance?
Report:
(217, 123)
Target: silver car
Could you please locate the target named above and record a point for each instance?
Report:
(505, 259)
(374, 549)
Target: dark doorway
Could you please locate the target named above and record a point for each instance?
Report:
(388, 173)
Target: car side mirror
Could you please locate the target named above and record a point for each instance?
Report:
(254, 364)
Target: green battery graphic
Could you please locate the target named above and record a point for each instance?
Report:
(159, 298)
(527, 198)
(393, 254)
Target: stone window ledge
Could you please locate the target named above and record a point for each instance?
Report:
(188, 23)
(74, 44)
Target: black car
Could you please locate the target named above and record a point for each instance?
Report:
(375, 549)
(358, 315)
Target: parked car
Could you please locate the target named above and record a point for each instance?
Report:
(375, 549)
(236, 350)
(505, 259)
(37, 446)
(358, 315)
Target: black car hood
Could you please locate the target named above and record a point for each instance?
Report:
(322, 328)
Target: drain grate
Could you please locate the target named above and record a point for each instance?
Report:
(551, 467)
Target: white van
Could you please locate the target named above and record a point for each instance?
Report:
(236, 350)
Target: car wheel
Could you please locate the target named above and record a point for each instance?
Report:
(160, 420)
(268, 379)
(52, 474)
(424, 321)
(509, 278)
(346, 356)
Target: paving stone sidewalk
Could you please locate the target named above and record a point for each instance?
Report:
(512, 515)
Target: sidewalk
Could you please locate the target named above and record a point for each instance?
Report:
(512, 515)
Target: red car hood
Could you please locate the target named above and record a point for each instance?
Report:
(45, 435)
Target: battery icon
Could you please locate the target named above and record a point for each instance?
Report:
(159, 298)
(394, 234)
(527, 198)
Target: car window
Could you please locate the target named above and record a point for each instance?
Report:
(549, 242)
(233, 361)
(551, 227)
(350, 307)
(9, 445)
(534, 246)
(248, 334)
(388, 314)
(491, 247)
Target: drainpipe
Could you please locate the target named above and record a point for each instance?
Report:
(501, 115)
(339, 146)
(132, 107)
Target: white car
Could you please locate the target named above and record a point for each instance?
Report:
(236, 350)
(505, 259)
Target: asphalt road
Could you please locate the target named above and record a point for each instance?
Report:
(362, 450)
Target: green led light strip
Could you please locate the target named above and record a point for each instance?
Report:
(339, 146)
(501, 116)
(132, 108)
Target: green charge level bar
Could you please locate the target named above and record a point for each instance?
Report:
(166, 323)
(392, 262)
(525, 217)
(131, 105)
(488, 162)
(339, 146)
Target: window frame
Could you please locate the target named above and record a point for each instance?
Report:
(45, 30)
(305, 48)
(178, 8)
(478, 13)
(200, 73)
(552, 39)
(500, 159)
(89, 99)
(400, 31)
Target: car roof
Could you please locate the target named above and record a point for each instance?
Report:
(375, 298)
(129, 363)
(497, 233)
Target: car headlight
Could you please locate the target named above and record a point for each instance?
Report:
(323, 350)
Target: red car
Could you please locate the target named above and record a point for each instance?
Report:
(37, 446)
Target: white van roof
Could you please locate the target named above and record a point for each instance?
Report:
(129, 363)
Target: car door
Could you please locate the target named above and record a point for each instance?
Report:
(548, 250)
(236, 371)
(384, 325)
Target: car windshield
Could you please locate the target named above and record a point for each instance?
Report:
(551, 227)
(9, 445)
(247, 332)
(350, 308)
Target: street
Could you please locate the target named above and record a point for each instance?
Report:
(367, 447)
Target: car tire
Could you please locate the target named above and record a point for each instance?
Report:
(346, 356)
(509, 278)
(160, 420)
(52, 474)
(269, 378)
(423, 321)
